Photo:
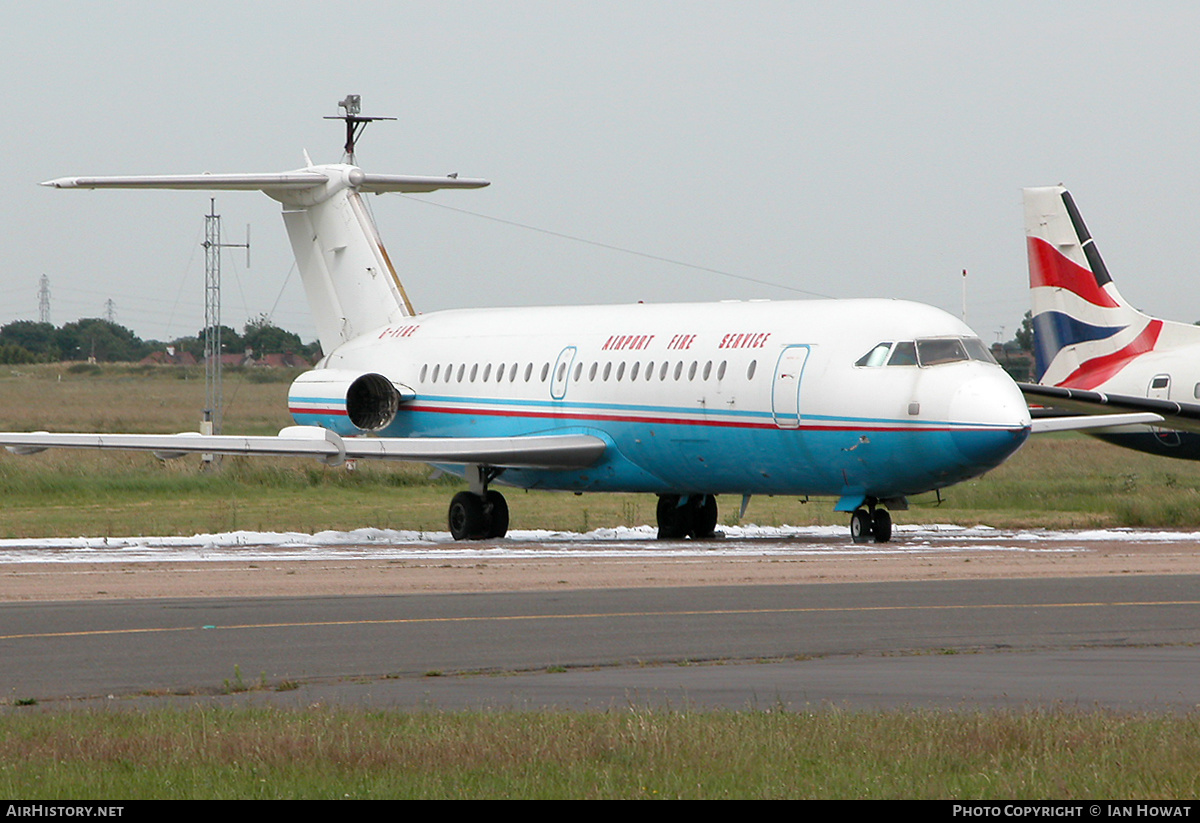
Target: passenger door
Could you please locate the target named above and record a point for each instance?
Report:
(785, 386)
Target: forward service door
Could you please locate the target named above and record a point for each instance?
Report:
(785, 386)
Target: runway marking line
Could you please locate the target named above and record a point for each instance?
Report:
(687, 613)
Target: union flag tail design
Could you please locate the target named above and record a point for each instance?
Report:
(1084, 331)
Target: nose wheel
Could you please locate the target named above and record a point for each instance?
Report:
(875, 524)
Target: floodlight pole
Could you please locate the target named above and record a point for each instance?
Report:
(213, 413)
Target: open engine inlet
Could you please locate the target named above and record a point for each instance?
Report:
(372, 402)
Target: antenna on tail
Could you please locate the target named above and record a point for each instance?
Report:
(355, 123)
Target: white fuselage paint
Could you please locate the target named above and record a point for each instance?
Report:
(747, 397)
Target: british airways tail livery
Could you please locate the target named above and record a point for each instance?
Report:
(1094, 352)
(868, 401)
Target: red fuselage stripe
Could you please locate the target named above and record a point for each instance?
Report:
(621, 418)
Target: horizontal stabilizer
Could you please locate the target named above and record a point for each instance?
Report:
(298, 180)
(381, 183)
(559, 451)
(207, 182)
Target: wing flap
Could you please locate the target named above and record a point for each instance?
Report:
(556, 451)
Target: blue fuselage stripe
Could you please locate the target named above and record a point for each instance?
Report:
(669, 452)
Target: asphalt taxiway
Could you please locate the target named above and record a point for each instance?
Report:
(1120, 641)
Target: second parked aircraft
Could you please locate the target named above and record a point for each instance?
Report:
(1094, 351)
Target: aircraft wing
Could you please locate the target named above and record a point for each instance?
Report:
(555, 451)
(1110, 409)
(1063, 423)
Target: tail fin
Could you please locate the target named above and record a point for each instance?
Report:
(1084, 331)
(348, 277)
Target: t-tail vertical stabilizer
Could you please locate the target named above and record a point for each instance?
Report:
(1098, 355)
(1084, 331)
(348, 277)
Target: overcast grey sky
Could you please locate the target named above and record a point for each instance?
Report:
(846, 149)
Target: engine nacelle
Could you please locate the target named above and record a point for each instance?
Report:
(346, 402)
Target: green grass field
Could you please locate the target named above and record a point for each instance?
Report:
(634, 754)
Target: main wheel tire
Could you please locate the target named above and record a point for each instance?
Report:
(704, 516)
(881, 525)
(860, 526)
(496, 511)
(674, 520)
(466, 517)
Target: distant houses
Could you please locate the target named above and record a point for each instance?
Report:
(172, 356)
(287, 360)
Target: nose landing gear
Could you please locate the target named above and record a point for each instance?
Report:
(873, 524)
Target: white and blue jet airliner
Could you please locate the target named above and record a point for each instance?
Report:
(867, 401)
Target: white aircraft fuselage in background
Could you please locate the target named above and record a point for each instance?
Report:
(869, 401)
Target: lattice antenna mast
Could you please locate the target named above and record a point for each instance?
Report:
(214, 402)
(355, 123)
(44, 300)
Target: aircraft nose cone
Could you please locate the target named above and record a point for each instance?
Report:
(991, 417)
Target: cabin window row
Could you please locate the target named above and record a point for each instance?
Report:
(502, 372)
(596, 371)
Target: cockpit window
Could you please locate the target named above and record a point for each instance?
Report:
(905, 354)
(932, 351)
(940, 350)
(976, 350)
(876, 356)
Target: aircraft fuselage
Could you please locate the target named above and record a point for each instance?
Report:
(721, 398)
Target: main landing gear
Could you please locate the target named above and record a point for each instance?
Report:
(875, 524)
(478, 514)
(692, 515)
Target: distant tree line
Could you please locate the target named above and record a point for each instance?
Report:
(28, 341)
(1016, 356)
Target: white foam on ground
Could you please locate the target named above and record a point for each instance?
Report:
(638, 541)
